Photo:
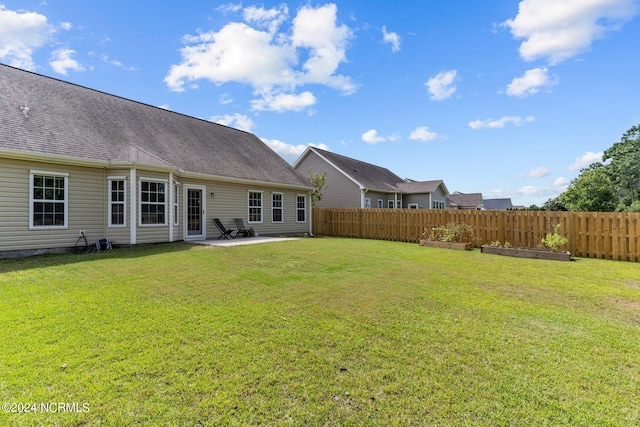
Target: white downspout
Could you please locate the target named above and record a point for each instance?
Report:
(170, 206)
(133, 206)
(362, 194)
(310, 215)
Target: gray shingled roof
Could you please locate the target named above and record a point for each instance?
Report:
(419, 187)
(65, 119)
(367, 175)
(498, 204)
(470, 199)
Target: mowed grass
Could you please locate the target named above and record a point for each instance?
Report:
(320, 331)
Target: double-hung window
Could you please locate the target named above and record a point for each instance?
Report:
(276, 207)
(301, 208)
(255, 207)
(117, 202)
(153, 202)
(49, 197)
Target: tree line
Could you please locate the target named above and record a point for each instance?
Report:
(607, 186)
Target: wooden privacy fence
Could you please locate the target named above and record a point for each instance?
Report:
(608, 235)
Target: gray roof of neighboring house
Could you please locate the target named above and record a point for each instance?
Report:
(461, 199)
(68, 120)
(367, 175)
(498, 204)
(420, 187)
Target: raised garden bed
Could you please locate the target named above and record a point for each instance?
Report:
(526, 253)
(446, 245)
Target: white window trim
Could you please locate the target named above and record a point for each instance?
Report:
(66, 200)
(367, 202)
(391, 203)
(110, 179)
(166, 204)
(281, 208)
(175, 203)
(380, 203)
(261, 207)
(304, 196)
(412, 206)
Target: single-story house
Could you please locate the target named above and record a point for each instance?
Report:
(465, 201)
(74, 159)
(352, 183)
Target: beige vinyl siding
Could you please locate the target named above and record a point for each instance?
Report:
(339, 191)
(231, 201)
(85, 198)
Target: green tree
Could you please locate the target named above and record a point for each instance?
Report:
(624, 168)
(318, 181)
(591, 191)
(555, 204)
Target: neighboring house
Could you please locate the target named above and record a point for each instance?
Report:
(75, 159)
(352, 183)
(498, 204)
(462, 201)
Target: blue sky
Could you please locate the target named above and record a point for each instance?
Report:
(506, 98)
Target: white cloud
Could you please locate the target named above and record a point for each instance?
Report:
(107, 60)
(66, 26)
(392, 38)
(283, 102)
(422, 133)
(371, 137)
(500, 123)
(539, 172)
(530, 82)
(558, 30)
(271, 19)
(287, 151)
(442, 86)
(237, 121)
(269, 60)
(585, 160)
(21, 33)
(229, 8)
(61, 61)
(561, 182)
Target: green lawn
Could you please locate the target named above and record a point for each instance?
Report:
(319, 331)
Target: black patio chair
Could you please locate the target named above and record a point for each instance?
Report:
(240, 227)
(224, 233)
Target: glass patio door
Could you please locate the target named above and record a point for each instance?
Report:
(194, 212)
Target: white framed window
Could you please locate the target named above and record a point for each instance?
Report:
(117, 201)
(412, 206)
(48, 200)
(390, 204)
(438, 204)
(367, 202)
(277, 206)
(153, 202)
(176, 198)
(255, 207)
(380, 203)
(301, 208)
(399, 204)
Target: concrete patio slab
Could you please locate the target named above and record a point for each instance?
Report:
(243, 241)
